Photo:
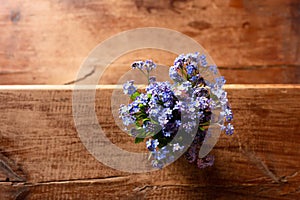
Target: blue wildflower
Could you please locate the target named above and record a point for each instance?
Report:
(179, 60)
(163, 119)
(229, 129)
(213, 68)
(212, 104)
(133, 108)
(177, 123)
(177, 105)
(194, 57)
(203, 60)
(160, 154)
(128, 119)
(167, 133)
(177, 147)
(189, 126)
(154, 112)
(200, 91)
(194, 78)
(168, 112)
(157, 164)
(152, 79)
(174, 75)
(207, 161)
(123, 109)
(220, 81)
(141, 99)
(190, 69)
(228, 115)
(165, 108)
(152, 144)
(202, 102)
(183, 88)
(129, 88)
(149, 65)
(138, 65)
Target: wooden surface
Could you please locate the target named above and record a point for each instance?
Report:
(252, 41)
(42, 157)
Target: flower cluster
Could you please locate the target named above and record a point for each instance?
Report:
(175, 117)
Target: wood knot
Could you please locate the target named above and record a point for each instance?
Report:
(199, 25)
(246, 25)
(15, 16)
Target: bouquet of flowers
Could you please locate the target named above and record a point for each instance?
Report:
(174, 117)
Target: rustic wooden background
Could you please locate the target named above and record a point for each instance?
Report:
(42, 156)
(255, 44)
(252, 41)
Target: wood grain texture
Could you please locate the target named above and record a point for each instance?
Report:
(38, 137)
(252, 41)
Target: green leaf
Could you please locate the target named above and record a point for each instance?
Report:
(201, 128)
(142, 133)
(205, 123)
(141, 115)
(150, 134)
(146, 119)
(135, 95)
(138, 140)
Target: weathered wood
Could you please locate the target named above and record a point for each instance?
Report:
(38, 137)
(45, 42)
(235, 74)
(134, 188)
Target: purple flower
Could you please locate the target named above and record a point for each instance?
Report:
(203, 60)
(154, 112)
(128, 120)
(202, 102)
(138, 65)
(213, 68)
(167, 134)
(165, 108)
(189, 126)
(205, 162)
(220, 81)
(177, 147)
(149, 65)
(129, 88)
(229, 129)
(152, 79)
(152, 144)
(190, 69)
(141, 99)
(157, 164)
(179, 60)
(228, 114)
(163, 119)
(174, 74)
(133, 108)
(160, 154)
(195, 78)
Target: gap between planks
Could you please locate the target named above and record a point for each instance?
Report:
(70, 87)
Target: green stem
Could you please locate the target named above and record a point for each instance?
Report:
(184, 74)
(147, 75)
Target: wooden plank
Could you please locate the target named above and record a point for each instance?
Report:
(45, 42)
(260, 74)
(42, 156)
